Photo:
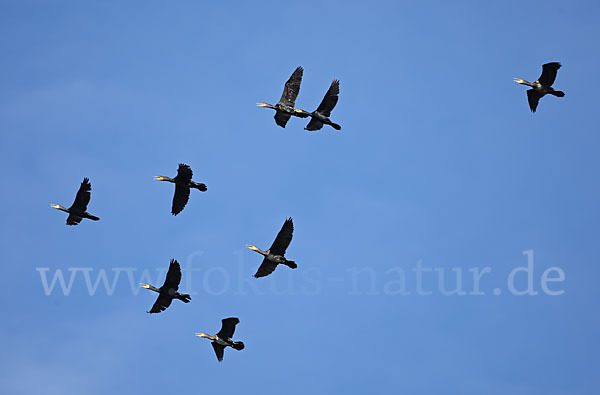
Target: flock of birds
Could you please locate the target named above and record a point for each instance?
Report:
(275, 255)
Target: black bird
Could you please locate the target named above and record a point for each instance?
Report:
(168, 291)
(77, 210)
(542, 86)
(223, 338)
(183, 182)
(284, 109)
(321, 115)
(275, 255)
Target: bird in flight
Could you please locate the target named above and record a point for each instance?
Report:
(183, 182)
(284, 109)
(275, 255)
(542, 85)
(223, 338)
(321, 115)
(77, 211)
(168, 291)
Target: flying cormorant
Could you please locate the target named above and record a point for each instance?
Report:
(321, 115)
(275, 254)
(183, 182)
(223, 338)
(542, 86)
(284, 109)
(168, 291)
(77, 210)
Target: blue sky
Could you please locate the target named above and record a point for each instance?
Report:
(439, 161)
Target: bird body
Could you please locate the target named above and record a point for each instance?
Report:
(321, 115)
(77, 211)
(168, 291)
(223, 339)
(183, 182)
(276, 254)
(284, 109)
(542, 86)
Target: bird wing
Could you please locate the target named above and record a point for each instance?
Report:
(292, 87)
(219, 350)
(266, 267)
(533, 97)
(314, 124)
(83, 195)
(330, 99)
(549, 71)
(161, 304)
(184, 172)
(228, 327)
(281, 118)
(173, 277)
(73, 219)
(283, 239)
(180, 198)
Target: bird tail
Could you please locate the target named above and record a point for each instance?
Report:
(199, 186)
(185, 298)
(290, 264)
(238, 345)
(558, 93)
(92, 217)
(336, 126)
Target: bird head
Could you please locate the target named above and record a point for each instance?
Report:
(147, 286)
(519, 81)
(253, 248)
(55, 205)
(202, 334)
(301, 113)
(160, 178)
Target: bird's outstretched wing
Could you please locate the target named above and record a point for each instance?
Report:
(533, 97)
(266, 267)
(281, 118)
(314, 124)
(182, 189)
(228, 327)
(291, 89)
(161, 304)
(283, 239)
(73, 219)
(549, 71)
(184, 172)
(83, 196)
(330, 99)
(219, 350)
(173, 277)
(180, 198)
(169, 288)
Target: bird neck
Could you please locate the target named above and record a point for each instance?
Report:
(301, 113)
(267, 105)
(59, 207)
(523, 82)
(163, 178)
(261, 252)
(150, 287)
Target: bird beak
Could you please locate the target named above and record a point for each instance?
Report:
(518, 80)
(261, 104)
(145, 286)
(159, 178)
(253, 248)
(54, 205)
